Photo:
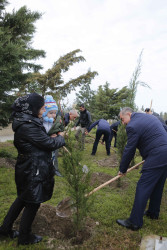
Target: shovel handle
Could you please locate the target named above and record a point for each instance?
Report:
(114, 130)
(66, 150)
(113, 179)
(69, 153)
(92, 136)
(151, 104)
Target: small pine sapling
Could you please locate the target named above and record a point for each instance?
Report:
(78, 183)
(121, 143)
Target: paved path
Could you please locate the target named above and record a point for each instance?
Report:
(6, 134)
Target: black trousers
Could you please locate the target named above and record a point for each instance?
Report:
(30, 210)
(106, 134)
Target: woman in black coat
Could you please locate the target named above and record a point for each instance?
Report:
(34, 171)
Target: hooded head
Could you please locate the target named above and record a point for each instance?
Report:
(50, 104)
(29, 104)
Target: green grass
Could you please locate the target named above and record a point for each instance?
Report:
(109, 205)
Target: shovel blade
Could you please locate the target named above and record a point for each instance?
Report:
(65, 208)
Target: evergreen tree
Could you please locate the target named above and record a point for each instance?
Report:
(3, 4)
(108, 101)
(133, 84)
(86, 96)
(16, 55)
(78, 183)
(130, 102)
(121, 141)
(52, 81)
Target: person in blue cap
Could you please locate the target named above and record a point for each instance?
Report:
(50, 118)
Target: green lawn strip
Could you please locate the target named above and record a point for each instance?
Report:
(109, 204)
(7, 149)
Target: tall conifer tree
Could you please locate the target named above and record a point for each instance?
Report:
(108, 101)
(16, 55)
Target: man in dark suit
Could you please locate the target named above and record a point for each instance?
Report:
(146, 133)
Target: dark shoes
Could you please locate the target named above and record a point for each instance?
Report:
(58, 173)
(92, 154)
(30, 239)
(128, 224)
(150, 215)
(11, 234)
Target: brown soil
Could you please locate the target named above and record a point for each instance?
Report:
(47, 223)
(110, 161)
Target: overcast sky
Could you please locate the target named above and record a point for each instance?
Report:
(111, 35)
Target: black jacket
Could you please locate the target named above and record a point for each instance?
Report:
(84, 119)
(34, 173)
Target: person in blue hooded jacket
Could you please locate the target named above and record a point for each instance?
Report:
(103, 128)
(146, 133)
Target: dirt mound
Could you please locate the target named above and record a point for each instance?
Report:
(47, 223)
(7, 162)
(110, 161)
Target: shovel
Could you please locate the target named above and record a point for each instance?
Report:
(66, 207)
